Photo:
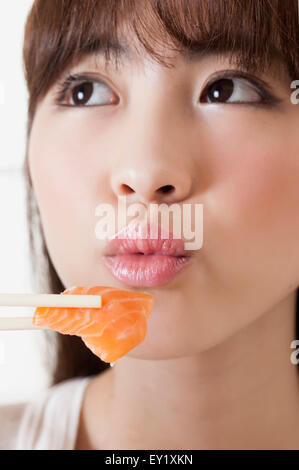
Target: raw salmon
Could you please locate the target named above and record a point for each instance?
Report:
(110, 331)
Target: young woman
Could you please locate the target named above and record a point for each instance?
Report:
(169, 101)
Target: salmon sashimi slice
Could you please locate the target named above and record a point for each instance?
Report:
(109, 332)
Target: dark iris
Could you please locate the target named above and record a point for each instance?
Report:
(220, 91)
(82, 93)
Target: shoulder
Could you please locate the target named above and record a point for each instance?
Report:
(50, 422)
(10, 418)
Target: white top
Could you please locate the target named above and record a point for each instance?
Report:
(48, 423)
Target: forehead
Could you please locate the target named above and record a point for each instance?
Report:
(129, 54)
(130, 51)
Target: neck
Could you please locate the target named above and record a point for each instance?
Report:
(241, 394)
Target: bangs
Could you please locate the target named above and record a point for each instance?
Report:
(249, 33)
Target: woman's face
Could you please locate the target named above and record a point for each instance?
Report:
(144, 126)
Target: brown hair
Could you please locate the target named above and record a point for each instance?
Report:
(59, 33)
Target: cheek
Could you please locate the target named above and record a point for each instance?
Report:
(57, 168)
(252, 221)
(68, 160)
(65, 187)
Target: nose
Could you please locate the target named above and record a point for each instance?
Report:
(151, 184)
(152, 165)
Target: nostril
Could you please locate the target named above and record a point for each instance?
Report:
(125, 190)
(166, 189)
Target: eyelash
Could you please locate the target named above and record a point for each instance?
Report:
(267, 98)
(65, 85)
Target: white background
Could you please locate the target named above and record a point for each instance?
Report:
(22, 374)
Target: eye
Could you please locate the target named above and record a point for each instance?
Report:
(91, 94)
(80, 91)
(231, 90)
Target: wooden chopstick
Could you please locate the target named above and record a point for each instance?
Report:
(41, 300)
(50, 300)
(18, 323)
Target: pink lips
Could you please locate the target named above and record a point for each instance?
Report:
(136, 259)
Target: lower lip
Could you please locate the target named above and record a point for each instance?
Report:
(145, 270)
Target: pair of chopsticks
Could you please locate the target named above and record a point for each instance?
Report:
(42, 300)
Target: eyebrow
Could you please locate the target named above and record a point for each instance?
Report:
(118, 49)
(194, 55)
(124, 52)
